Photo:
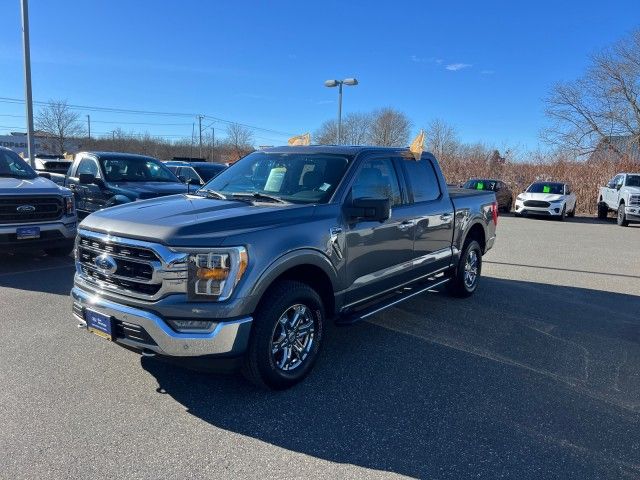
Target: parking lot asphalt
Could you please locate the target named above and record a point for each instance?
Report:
(536, 376)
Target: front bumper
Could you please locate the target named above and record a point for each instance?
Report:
(554, 210)
(52, 234)
(151, 333)
(632, 213)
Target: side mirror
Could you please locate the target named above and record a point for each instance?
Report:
(618, 186)
(44, 175)
(369, 209)
(90, 179)
(194, 181)
(182, 178)
(86, 179)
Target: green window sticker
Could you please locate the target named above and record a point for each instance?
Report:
(480, 186)
(546, 189)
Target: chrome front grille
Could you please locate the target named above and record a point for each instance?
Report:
(128, 267)
(30, 209)
(634, 200)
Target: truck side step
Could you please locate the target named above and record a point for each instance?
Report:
(406, 293)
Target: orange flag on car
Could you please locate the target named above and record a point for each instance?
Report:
(300, 140)
(417, 146)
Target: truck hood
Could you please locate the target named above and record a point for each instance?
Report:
(145, 190)
(191, 220)
(30, 186)
(546, 197)
(632, 190)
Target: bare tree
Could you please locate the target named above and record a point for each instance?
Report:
(355, 130)
(240, 139)
(602, 107)
(59, 123)
(389, 128)
(441, 139)
(327, 133)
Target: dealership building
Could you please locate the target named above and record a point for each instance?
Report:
(17, 141)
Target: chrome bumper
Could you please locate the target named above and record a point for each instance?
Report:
(228, 338)
(67, 227)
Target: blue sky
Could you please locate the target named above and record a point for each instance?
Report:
(482, 66)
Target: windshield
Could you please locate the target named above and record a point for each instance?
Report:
(207, 172)
(633, 180)
(11, 165)
(294, 177)
(132, 169)
(478, 184)
(542, 187)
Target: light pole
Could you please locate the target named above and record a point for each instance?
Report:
(352, 82)
(27, 80)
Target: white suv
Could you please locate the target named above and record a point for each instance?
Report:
(552, 199)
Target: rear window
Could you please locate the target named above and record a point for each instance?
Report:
(477, 184)
(422, 180)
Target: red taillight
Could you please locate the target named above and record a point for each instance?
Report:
(494, 213)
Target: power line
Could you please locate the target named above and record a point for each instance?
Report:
(147, 112)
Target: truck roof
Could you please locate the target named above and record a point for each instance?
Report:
(111, 155)
(335, 149)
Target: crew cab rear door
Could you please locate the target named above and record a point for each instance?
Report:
(431, 210)
(379, 254)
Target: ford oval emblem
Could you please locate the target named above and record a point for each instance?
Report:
(105, 263)
(26, 208)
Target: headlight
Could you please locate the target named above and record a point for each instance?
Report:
(560, 200)
(69, 205)
(520, 197)
(214, 274)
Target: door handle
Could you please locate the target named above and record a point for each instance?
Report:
(406, 225)
(445, 217)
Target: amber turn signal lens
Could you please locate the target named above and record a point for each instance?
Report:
(212, 273)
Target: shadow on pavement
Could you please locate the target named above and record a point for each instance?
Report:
(491, 386)
(37, 272)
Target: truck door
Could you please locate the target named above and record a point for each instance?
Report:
(610, 193)
(432, 212)
(89, 197)
(378, 254)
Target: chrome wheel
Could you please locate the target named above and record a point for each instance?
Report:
(293, 337)
(471, 269)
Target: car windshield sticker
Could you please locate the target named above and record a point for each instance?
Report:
(480, 186)
(324, 187)
(276, 177)
(546, 189)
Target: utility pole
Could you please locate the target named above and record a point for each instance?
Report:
(27, 80)
(89, 125)
(213, 144)
(200, 130)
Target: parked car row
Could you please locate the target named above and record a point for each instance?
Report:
(557, 200)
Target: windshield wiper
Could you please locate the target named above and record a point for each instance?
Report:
(259, 196)
(213, 194)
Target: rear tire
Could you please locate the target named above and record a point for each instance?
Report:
(603, 211)
(286, 337)
(622, 216)
(64, 251)
(467, 274)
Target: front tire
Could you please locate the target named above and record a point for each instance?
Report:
(572, 213)
(467, 274)
(288, 330)
(603, 211)
(622, 216)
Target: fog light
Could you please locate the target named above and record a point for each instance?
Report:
(191, 325)
(557, 210)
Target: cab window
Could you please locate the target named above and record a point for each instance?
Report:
(377, 179)
(88, 165)
(422, 180)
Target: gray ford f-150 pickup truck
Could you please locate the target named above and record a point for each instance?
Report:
(248, 271)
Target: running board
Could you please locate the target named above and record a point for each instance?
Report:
(411, 291)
